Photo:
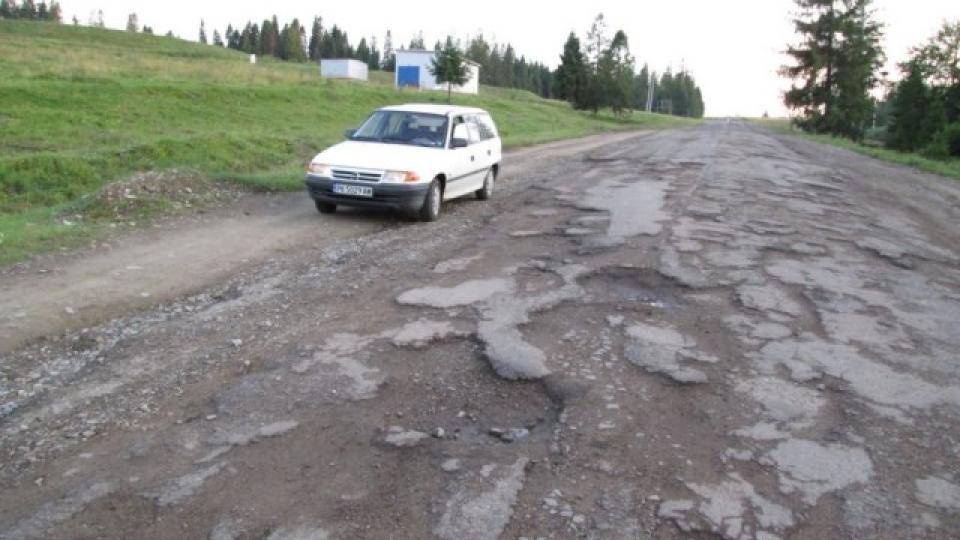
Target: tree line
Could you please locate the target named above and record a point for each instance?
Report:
(500, 63)
(601, 75)
(923, 109)
(28, 9)
(601, 72)
(836, 65)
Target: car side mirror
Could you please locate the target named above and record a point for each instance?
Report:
(349, 133)
(460, 137)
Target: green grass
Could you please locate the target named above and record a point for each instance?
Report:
(81, 107)
(949, 168)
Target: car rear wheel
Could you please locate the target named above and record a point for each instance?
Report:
(486, 191)
(325, 208)
(430, 210)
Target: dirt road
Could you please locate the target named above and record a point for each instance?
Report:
(712, 332)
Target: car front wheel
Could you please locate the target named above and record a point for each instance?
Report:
(486, 191)
(430, 210)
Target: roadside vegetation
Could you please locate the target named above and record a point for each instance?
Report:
(870, 147)
(84, 106)
(836, 73)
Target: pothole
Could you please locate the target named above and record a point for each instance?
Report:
(634, 286)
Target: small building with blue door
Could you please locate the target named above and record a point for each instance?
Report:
(413, 71)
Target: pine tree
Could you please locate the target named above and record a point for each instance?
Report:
(56, 12)
(448, 66)
(316, 35)
(939, 61)
(572, 73)
(641, 89)
(374, 61)
(28, 10)
(859, 60)
(389, 57)
(268, 38)
(478, 50)
(43, 13)
(507, 74)
(836, 63)
(217, 40)
(248, 40)
(363, 51)
(8, 9)
(916, 114)
(815, 61)
(203, 33)
(291, 43)
(618, 73)
(132, 24)
(417, 41)
(147, 30)
(597, 41)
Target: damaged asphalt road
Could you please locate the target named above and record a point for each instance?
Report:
(712, 332)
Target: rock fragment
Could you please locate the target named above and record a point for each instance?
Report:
(937, 492)
(401, 438)
(657, 350)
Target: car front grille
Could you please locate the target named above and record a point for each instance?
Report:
(354, 175)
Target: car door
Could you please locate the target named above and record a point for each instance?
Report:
(462, 168)
(491, 150)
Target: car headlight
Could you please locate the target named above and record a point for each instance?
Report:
(320, 169)
(400, 177)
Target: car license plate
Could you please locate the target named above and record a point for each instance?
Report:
(356, 191)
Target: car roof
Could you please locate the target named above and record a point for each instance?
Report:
(433, 108)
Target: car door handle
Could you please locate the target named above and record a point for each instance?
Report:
(489, 152)
(473, 158)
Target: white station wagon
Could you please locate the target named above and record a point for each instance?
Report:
(409, 158)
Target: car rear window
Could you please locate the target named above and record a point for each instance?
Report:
(485, 125)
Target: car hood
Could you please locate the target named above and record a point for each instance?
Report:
(374, 155)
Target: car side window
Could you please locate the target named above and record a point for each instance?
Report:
(473, 132)
(457, 120)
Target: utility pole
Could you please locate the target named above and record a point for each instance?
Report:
(653, 82)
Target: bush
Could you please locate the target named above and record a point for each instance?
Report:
(945, 144)
(951, 136)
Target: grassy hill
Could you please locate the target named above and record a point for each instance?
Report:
(81, 107)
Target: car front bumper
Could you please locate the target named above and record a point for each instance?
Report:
(401, 197)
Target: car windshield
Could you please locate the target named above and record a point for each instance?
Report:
(403, 127)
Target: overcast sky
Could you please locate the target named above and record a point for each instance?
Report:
(733, 48)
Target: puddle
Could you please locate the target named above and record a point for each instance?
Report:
(635, 207)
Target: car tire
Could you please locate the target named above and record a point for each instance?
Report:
(325, 207)
(430, 210)
(486, 191)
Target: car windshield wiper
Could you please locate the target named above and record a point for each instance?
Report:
(395, 139)
(362, 138)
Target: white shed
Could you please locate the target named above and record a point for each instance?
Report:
(413, 70)
(343, 68)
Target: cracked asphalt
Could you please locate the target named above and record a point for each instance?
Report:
(699, 333)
